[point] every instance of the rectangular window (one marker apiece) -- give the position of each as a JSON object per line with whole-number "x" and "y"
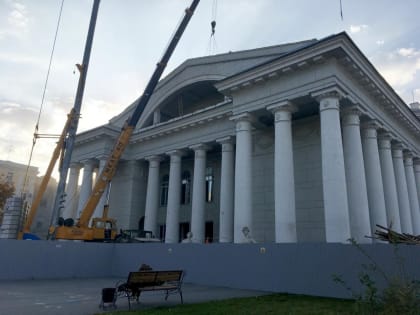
{"x": 164, "y": 190}
{"x": 209, "y": 184}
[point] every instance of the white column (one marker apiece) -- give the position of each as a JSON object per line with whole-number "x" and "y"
{"x": 402, "y": 192}
{"x": 355, "y": 177}
{"x": 417, "y": 175}
{"x": 174, "y": 198}
{"x": 226, "y": 190}
{"x": 152, "y": 195}
{"x": 337, "y": 222}
{"x": 70, "y": 209}
{"x": 412, "y": 193}
{"x": 390, "y": 187}
{"x": 284, "y": 179}
{"x": 374, "y": 183}
{"x": 99, "y": 210}
{"x": 86, "y": 188}
{"x": 198, "y": 223}
{"x": 243, "y": 177}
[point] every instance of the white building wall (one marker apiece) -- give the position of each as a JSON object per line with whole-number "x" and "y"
{"x": 263, "y": 185}
{"x": 308, "y": 180}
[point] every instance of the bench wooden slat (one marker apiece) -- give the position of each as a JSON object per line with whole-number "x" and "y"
{"x": 165, "y": 276}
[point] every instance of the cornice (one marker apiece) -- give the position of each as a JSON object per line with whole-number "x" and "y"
{"x": 181, "y": 123}
{"x": 347, "y": 55}
{"x": 102, "y": 132}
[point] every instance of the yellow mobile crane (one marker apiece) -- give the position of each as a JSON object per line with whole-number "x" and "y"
{"x": 65, "y": 142}
{"x": 104, "y": 228}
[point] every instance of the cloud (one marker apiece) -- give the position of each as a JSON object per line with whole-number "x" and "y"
{"x": 97, "y": 112}
{"x": 380, "y": 42}
{"x": 15, "y": 21}
{"x": 18, "y": 16}
{"x": 20, "y": 59}
{"x": 400, "y": 67}
{"x": 357, "y": 28}
{"x": 408, "y": 52}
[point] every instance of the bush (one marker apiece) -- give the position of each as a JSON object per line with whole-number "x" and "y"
{"x": 401, "y": 296}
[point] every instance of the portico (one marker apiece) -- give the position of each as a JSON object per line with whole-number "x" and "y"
{"x": 272, "y": 149}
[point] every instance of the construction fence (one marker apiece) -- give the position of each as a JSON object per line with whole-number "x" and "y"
{"x": 293, "y": 268}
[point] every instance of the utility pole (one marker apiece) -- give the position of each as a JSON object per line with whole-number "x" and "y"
{"x": 69, "y": 144}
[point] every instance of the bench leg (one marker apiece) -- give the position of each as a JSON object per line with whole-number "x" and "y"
{"x": 182, "y": 300}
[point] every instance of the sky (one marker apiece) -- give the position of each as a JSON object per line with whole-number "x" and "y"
{"x": 130, "y": 38}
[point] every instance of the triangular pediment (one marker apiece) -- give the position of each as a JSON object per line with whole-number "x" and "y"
{"x": 206, "y": 69}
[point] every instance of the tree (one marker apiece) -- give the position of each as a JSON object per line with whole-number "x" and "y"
{"x": 7, "y": 190}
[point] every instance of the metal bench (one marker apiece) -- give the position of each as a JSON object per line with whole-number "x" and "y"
{"x": 169, "y": 281}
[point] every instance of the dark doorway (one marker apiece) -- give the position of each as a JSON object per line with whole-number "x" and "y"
{"x": 184, "y": 228}
{"x": 209, "y": 232}
{"x": 141, "y": 224}
{"x": 162, "y": 232}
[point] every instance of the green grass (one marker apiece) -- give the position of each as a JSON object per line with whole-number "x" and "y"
{"x": 269, "y": 304}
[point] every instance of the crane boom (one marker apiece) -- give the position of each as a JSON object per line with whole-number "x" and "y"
{"x": 109, "y": 170}
{"x": 67, "y": 153}
{"x": 37, "y": 200}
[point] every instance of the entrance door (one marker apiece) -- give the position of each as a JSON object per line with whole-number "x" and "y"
{"x": 184, "y": 228}
{"x": 209, "y": 232}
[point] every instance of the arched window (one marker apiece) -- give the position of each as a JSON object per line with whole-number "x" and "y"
{"x": 185, "y": 188}
{"x": 209, "y": 184}
{"x": 164, "y": 185}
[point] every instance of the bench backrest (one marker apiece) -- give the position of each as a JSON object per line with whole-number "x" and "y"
{"x": 167, "y": 276}
{"x": 153, "y": 277}
{"x": 141, "y": 277}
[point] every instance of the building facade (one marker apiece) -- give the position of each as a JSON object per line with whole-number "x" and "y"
{"x": 15, "y": 174}
{"x": 302, "y": 142}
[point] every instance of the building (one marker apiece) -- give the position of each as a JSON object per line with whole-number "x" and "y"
{"x": 25, "y": 193}
{"x": 15, "y": 173}
{"x": 302, "y": 142}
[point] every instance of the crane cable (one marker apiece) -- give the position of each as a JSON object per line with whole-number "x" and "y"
{"x": 212, "y": 46}
{"x": 43, "y": 98}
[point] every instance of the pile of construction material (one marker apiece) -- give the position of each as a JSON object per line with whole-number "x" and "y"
{"x": 388, "y": 235}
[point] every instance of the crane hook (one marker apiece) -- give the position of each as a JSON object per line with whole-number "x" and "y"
{"x": 213, "y": 27}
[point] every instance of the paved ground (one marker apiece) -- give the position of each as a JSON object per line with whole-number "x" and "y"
{"x": 82, "y": 296}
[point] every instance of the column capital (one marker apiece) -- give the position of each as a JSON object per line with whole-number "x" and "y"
{"x": 244, "y": 122}
{"x": 408, "y": 157}
{"x": 416, "y": 164}
{"x": 89, "y": 162}
{"x": 371, "y": 124}
{"x": 385, "y": 135}
{"x": 101, "y": 157}
{"x": 351, "y": 116}
{"x": 226, "y": 143}
{"x": 397, "y": 150}
{"x": 176, "y": 153}
{"x": 200, "y": 146}
{"x": 286, "y": 106}
{"x": 154, "y": 158}
{"x": 352, "y": 110}
{"x": 243, "y": 117}
{"x": 330, "y": 92}
{"x": 228, "y": 140}
{"x": 282, "y": 111}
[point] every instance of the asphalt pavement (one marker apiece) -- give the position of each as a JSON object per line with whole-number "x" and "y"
{"x": 83, "y": 296}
